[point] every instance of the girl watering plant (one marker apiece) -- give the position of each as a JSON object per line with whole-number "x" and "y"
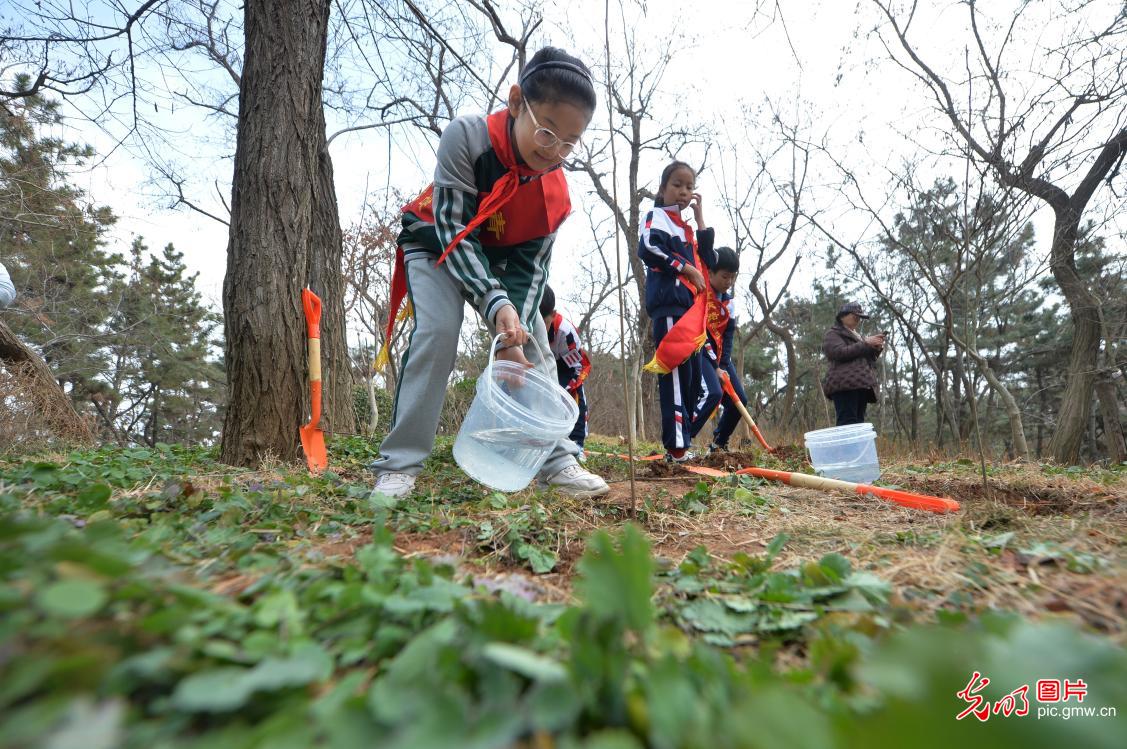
{"x": 483, "y": 233}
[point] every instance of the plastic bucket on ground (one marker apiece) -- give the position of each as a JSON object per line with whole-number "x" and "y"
{"x": 848, "y": 453}
{"x": 516, "y": 418}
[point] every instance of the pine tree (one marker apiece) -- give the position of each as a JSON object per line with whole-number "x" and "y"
{"x": 131, "y": 343}
{"x": 52, "y": 242}
{"x": 165, "y": 382}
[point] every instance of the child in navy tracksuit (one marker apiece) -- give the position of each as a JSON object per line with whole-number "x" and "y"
{"x": 572, "y": 363}
{"x": 718, "y": 355}
{"x": 673, "y": 254}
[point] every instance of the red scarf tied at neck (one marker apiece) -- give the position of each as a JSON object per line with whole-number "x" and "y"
{"x": 516, "y": 211}
{"x": 688, "y": 334}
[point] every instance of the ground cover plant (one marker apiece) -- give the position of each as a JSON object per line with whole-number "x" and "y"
{"x": 156, "y": 598}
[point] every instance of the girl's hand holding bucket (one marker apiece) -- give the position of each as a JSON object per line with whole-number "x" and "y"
{"x": 509, "y": 328}
{"x": 511, "y": 335}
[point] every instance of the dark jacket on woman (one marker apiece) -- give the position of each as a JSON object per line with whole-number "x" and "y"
{"x": 852, "y": 363}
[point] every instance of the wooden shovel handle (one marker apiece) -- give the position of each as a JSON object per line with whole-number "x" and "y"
{"x": 311, "y": 304}
{"x": 903, "y": 498}
{"x": 731, "y": 391}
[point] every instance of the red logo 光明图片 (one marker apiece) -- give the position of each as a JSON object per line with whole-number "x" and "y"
{"x": 1017, "y": 701}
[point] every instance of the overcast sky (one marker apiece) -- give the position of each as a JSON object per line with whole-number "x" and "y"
{"x": 818, "y": 63}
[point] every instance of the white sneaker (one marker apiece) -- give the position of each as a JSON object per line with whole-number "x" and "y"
{"x": 394, "y": 485}
{"x": 577, "y": 481}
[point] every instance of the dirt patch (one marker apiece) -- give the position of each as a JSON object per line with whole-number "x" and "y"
{"x": 1042, "y": 497}
{"x": 789, "y": 452}
{"x": 659, "y": 469}
{"x": 729, "y": 461}
{"x": 932, "y": 561}
{"x": 457, "y": 542}
{"x": 1098, "y": 602}
{"x": 233, "y": 585}
{"x": 340, "y": 545}
{"x": 436, "y": 544}
{"x": 792, "y": 455}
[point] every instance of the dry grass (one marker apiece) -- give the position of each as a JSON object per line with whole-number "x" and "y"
{"x": 31, "y": 419}
{"x": 933, "y": 561}
{"x": 964, "y": 561}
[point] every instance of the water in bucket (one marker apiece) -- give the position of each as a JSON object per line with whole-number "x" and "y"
{"x": 517, "y": 417}
{"x": 848, "y": 453}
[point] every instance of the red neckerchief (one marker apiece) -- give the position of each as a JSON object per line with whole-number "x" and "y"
{"x": 689, "y": 333}
{"x": 717, "y": 318}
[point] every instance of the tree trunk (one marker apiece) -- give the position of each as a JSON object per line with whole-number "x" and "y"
{"x": 634, "y": 228}
{"x": 1084, "y": 309}
{"x": 285, "y": 235}
{"x": 639, "y": 425}
{"x": 1042, "y": 397}
{"x": 787, "y": 338}
{"x": 963, "y": 395}
{"x": 915, "y": 398}
{"x": 1013, "y": 411}
{"x": 897, "y": 396}
{"x": 943, "y": 410}
{"x": 1113, "y": 427}
{"x": 45, "y": 394}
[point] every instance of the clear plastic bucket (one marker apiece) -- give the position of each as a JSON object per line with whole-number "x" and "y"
{"x": 516, "y": 418}
{"x": 848, "y": 453}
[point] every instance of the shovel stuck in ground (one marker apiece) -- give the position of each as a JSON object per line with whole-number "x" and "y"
{"x": 312, "y": 438}
{"x": 726, "y": 384}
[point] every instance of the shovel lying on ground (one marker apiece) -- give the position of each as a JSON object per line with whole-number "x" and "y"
{"x": 312, "y": 438}
{"x": 903, "y": 498}
{"x": 726, "y": 384}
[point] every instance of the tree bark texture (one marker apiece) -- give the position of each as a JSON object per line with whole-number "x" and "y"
{"x": 285, "y": 235}
{"x": 1087, "y": 326}
{"x": 1113, "y": 427}
{"x": 1084, "y": 308}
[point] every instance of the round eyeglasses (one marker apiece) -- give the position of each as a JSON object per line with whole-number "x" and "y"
{"x": 545, "y": 138}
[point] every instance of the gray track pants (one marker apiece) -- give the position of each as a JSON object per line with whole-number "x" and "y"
{"x": 425, "y": 372}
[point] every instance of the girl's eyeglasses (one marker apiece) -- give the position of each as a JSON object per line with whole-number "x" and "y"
{"x": 545, "y": 138}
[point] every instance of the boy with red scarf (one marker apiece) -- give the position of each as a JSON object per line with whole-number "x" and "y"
{"x": 721, "y": 329}
{"x": 483, "y": 233}
{"x": 572, "y": 363}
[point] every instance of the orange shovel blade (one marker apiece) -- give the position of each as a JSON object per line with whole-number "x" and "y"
{"x": 313, "y": 442}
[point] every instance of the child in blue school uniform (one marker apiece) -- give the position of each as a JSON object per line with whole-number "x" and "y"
{"x": 677, "y": 259}
{"x": 572, "y": 363}
{"x": 721, "y": 329}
